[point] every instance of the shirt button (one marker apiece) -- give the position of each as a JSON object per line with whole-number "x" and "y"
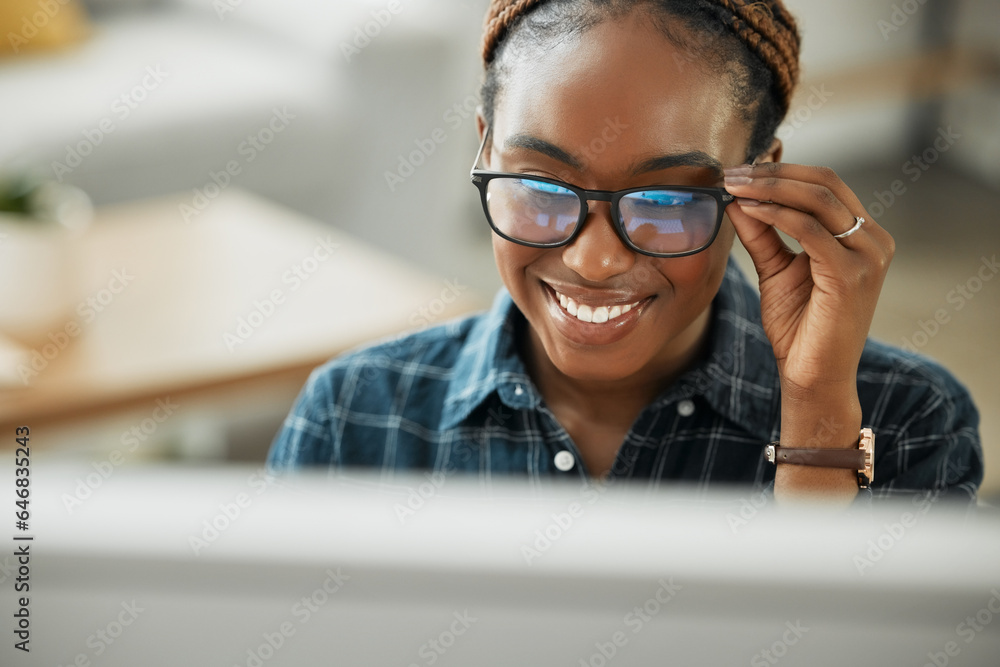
{"x": 685, "y": 408}
{"x": 518, "y": 390}
{"x": 564, "y": 460}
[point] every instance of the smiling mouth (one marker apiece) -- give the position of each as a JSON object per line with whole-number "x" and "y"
{"x": 593, "y": 314}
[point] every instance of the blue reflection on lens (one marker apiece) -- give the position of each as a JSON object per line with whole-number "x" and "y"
{"x": 542, "y": 186}
{"x": 662, "y": 197}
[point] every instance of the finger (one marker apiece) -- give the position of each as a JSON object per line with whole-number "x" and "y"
{"x": 823, "y": 176}
{"x": 815, "y": 239}
{"x": 816, "y": 200}
{"x": 770, "y": 254}
{"x": 819, "y": 176}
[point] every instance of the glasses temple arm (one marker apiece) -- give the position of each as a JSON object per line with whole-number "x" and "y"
{"x": 482, "y": 147}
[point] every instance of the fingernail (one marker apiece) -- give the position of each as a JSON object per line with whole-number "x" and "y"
{"x": 747, "y": 202}
{"x": 737, "y": 180}
{"x": 742, "y": 170}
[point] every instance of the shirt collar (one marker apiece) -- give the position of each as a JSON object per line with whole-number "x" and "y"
{"x": 738, "y": 377}
{"x": 488, "y": 362}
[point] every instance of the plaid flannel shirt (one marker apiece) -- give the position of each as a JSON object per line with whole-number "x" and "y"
{"x": 457, "y": 398}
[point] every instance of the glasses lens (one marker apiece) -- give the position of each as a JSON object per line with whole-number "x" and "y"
{"x": 669, "y": 221}
{"x": 532, "y": 211}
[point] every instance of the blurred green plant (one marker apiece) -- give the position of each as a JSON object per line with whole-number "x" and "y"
{"x": 30, "y": 198}
{"x": 16, "y": 195}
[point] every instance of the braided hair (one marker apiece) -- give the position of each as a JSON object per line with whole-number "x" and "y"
{"x": 756, "y": 43}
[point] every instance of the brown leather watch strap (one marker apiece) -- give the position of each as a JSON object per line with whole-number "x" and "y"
{"x": 861, "y": 459}
{"x": 825, "y": 458}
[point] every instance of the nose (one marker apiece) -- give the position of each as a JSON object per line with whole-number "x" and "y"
{"x": 597, "y": 254}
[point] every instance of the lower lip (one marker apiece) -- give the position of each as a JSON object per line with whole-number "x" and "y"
{"x": 588, "y": 333}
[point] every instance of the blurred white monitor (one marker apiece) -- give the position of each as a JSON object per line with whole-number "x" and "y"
{"x": 226, "y": 567}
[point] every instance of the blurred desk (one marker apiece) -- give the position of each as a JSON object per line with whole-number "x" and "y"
{"x": 245, "y": 293}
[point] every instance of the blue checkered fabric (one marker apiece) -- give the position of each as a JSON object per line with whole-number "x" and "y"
{"x": 456, "y": 398}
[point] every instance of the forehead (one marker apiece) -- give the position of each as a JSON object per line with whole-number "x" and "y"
{"x": 624, "y": 86}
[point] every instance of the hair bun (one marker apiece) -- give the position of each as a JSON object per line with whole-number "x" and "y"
{"x": 765, "y": 26}
{"x": 499, "y": 17}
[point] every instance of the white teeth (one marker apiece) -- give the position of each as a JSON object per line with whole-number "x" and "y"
{"x": 596, "y": 315}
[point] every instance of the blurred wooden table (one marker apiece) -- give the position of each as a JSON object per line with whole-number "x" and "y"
{"x": 189, "y": 293}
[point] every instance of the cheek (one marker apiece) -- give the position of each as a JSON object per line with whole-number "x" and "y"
{"x": 511, "y": 260}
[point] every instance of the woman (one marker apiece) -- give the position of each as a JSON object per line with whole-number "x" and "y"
{"x": 624, "y": 145}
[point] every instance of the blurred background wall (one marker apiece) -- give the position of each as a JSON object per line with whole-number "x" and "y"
{"x": 132, "y": 99}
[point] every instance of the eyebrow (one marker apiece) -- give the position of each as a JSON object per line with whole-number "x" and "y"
{"x": 689, "y": 159}
{"x": 668, "y": 161}
{"x": 541, "y": 146}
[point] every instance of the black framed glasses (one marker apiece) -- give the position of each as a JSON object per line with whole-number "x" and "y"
{"x": 660, "y": 221}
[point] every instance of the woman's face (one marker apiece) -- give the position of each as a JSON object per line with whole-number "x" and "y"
{"x": 618, "y": 107}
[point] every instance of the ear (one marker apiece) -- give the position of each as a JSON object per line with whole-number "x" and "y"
{"x": 480, "y": 122}
{"x": 773, "y": 152}
{"x": 480, "y": 131}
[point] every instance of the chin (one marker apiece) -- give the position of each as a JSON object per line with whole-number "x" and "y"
{"x": 595, "y": 366}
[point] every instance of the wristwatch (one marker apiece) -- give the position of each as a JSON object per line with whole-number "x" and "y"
{"x": 861, "y": 459}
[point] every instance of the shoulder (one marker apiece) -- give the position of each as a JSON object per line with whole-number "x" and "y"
{"x": 380, "y": 392}
{"x": 911, "y": 380}
{"x": 422, "y": 356}
{"x": 925, "y": 421}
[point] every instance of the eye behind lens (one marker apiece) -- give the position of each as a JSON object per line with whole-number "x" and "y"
{"x": 668, "y": 221}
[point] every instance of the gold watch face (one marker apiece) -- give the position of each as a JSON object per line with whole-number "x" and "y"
{"x": 866, "y": 443}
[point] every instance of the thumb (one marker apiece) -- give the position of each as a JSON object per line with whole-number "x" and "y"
{"x": 770, "y": 254}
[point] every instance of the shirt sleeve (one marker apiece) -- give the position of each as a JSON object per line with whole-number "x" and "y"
{"x": 930, "y": 441}
{"x": 307, "y": 436}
